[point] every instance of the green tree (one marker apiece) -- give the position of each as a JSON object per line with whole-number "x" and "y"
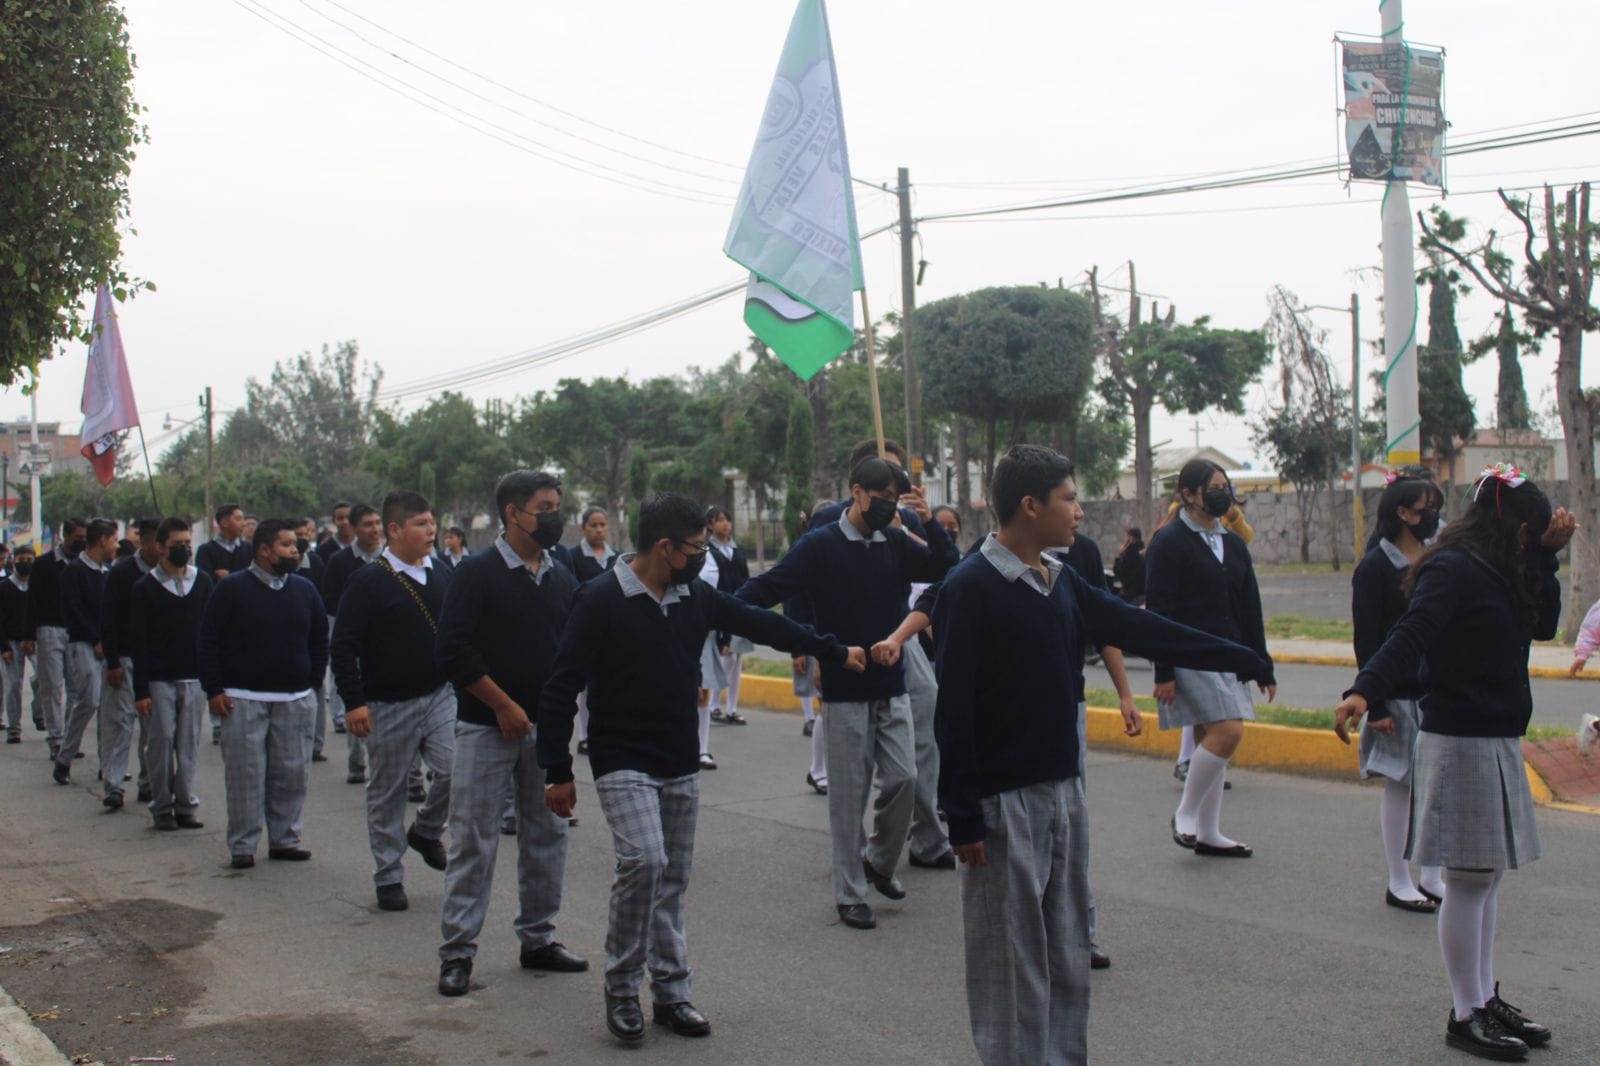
{"x": 448, "y": 440}
{"x": 1508, "y": 343}
{"x": 69, "y": 125}
{"x": 798, "y": 460}
{"x": 320, "y": 410}
{"x": 638, "y": 489}
{"x": 1442, "y": 400}
{"x": 589, "y": 429}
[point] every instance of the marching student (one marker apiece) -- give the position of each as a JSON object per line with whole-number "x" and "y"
{"x": 83, "y": 583}
{"x": 1480, "y": 595}
{"x": 733, "y": 570}
{"x": 1128, "y": 567}
{"x": 913, "y": 509}
{"x": 858, "y": 574}
{"x": 118, "y": 719}
{"x": 502, "y": 618}
{"x": 49, "y": 643}
{"x": 312, "y": 569}
{"x": 262, "y": 649}
{"x": 454, "y": 550}
{"x": 343, "y": 535}
{"x": 16, "y": 634}
{"x": 1199, "y": 573}
{"x": 166, "y": 607}
{"x": 230, "y": 550}
{"x": 643, "y": 746}
{"x": 366, "y": 545}
{"x": 395, "y": 695}
{"x": 1009, "y": 629}
{"x": 592, "y": 557}
{"x": 1408, "y": 516}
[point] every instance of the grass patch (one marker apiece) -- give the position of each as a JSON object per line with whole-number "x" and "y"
{"x": 767, "y": 667}
{"x": 1538, "y": 733}
{"x": 1275, "y": 714}
{"x": 1293, "y": 626}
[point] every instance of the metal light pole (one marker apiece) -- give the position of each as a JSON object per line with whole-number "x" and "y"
{"x": 33, "y": 474}
{"x": 1399, "y": 290}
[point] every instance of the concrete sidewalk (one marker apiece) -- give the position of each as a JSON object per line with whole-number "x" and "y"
{"x": 1549, "y": 661}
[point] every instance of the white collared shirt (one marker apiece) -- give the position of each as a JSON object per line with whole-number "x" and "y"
{"x": 180, "y": 585}
{"x": 1212, "y": 536}
{"x": 852, "y": 533}
{"x": 517, "y": 562}
{"x": 1011, "y": 567}
{"x": 417, "y": 572}
{"x": 272, "y": 581}
{"x": 632, "y": 586}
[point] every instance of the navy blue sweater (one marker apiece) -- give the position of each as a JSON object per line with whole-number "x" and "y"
{"x": 15, "y": 621}
{"x": 165, "y": 639}
{"x": 857, "y": 591}
{"x": 269, "y": 640}
{"x": 382, "y": 642}
{"x": 44, "y": 589}
{"x": 212, "y": 556}
{"x": 829, "y": 515}
{"x": 116, "y": 635}
{"x": 83, "y": 586}
{"x": 1461, "y": 628}
{"x": 344, "y": 563}
{"x": 1185, "y": 582}
{"x": 1377, "y": 601}
{"x": 1010, "y": 667}
{"x": 642, "y": 669}
{"x": 497, "y": 623}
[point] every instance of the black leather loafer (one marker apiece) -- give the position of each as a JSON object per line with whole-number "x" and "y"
{"x": 166, "y": 823}
{"x": 1415, "y": 906}
{"x": 61, "y": 775}
{"x": 947, "y": 861}
{"x": 188, "y": 821}
{"x": 555, "y": 958}
{"x": 356, "y": 777}
{"x": 144, "y": 794}
{"x": 112, "y": 802}
{"x": 1431, "y": 895}
{"x": 243, "y": 862}
{"x": 624, "y": 1018}
{"x": 289, "y": 854}
{"x": 455, "y": 977}
{"x": 1485, "y": 1037}
{"x": 1183, "y": 840}
{"x": 819, "y": 788}
{"x": 1236, "y": 851}
{"x": 886, "y": 885}
{"x": 857, "y": 916}
{"x": 681, "y": 1018}
{"x": 1529, "y": 1032}
{"x": 432, "y": 851}
{"x": 1098, "y": 960}
{"x": 392, "y": 898}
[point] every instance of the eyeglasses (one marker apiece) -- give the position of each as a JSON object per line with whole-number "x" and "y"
{"x": 690, "y": 548}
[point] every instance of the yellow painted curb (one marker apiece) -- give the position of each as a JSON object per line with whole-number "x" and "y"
{"x": 768, "y": 693}
{"x": 1537, "y": 785}
{"x": 1547, "y": 673}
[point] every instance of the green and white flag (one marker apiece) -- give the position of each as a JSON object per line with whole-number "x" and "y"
{"x": 794, "y": 225}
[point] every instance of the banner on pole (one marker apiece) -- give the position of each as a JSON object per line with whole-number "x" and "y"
{"x": 794, "y": 224}
{"x": 1394, "y": 112}
{"x": 108, "y": 405}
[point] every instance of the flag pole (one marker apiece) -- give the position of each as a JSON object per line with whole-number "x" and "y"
{"x": 872, "y": 374}
{"x": 150, "y": 477}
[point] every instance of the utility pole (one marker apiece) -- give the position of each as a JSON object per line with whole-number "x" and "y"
{"x": 908, "y": 304}
{"x": 1358, "y": 518}
{"x": 205, "y": 402}
{"x": 1399, "y": 296}
{"x": 33, "y": 472}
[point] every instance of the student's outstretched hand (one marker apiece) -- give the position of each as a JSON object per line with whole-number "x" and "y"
{"x": 1562, "y": 526}
{"x": 1132, "y": 720}
{"x": 562, "y": 798}
{"x": 886, "y": 652}
{"x": 971, "y": 854}
{"x": 1572, "y": 671}
{"x": 1166, "y": 692}
{"x": 1269, "y": 691}
{"x": 856, "y": 660}
{"x": 1348, "y": 715}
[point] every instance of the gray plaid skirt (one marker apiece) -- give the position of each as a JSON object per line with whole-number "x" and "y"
{"x": 1470, "y": 804}
{"x": 1206, "y": 696}
{"x": 1388, "y": 756}
{"x": 803, "y": 685}
{"x": 711, "y": 665}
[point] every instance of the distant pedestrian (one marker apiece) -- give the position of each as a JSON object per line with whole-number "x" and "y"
{"x": 121, "y": 728}
{"x": 49, "y": 645}
{"x": 18, "y": 637}
{"x": 229, "y": 551}
{"x": 366, "y": 526}
{"x": 83, "y": 584}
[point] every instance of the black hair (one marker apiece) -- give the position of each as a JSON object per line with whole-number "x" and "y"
{"x": 868, "y": 449}
{"x": 714, "y": 512}
{"x": 24, "y": 547}
{"x": 589, "y": 512}
{"x": 401, "y": 505}
{"x": 945, "y": 508}
{"x": 1195, "y": 475}
{"x": 519, "y": 486}
{"x": 225, "y": 510}
{"x": 72, "y": 525}
{"x": 168, "y": 527}
{"x": 1405, "y": 491}
{"x": 146, "y": 527}
{"x": 267, "y": 531}
{"x": 902, "y": 481}
{"x": 99, "y": 529}
{"x": 458, "y": 531}
{"x": 125, "y": 548}
{"x": 358, "y": 512}
{"x": 1136, "y": 534}
{"x": 670, "y": 516}
{"x": 873, "y": 474}
{"x": 1491, "y": 532}
{"x": 1026, "y": 470}
{"x": 337, "y": 505}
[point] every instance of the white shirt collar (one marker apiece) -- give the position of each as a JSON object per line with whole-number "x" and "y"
{"x": 17, "y": 581}
{"x": 83, "y": 557}
{"x": 516, "y": 562}
{"x": 852, "y": 533}
{"x": 1012, "y": 568}
{"x": 417, "y": 572}
{"x": 632, "y": 586}
{"x": 181, "y": 585}
{"x": 1396, "y": 556}
{"x": 366, "y": 557}
{"x": 231, "y": 545}
{"x": 272, "y": 581}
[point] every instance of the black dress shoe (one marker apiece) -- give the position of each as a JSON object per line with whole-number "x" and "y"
{"x": 1183, "y": 840}
{"x": 112, "y": 802}
{"x": 1436, "y": 897}
{"x": 166, "y": 823}
{"x": 392, "y": 898}
{"x": 432, "y": 851}
{"x": 317, "y": 756}
{"x": 886, "y": 885}
{"x": 356, "y": 777}
{"x": 820, "y": 789}
{"x": 13, "y": 740}
{"x": 144, "y": 794}
{"x": 681, "y": 1018}
{"x": 1485, "y": 1037}
{"x": 417, "y": 794}
{"x": 1098, "y": 960}
{"x": 857, "y": 916}
{"x": 556, "y": 958}
{"x": 1415, "y": 906}
{"x": 809, "y": 728}
{"x": 338, "y": 727}
{"x": 455, "y": 977}
{"x": 1529, "y": 1032}
{"x": 61, "y": 774}
{"x": 188, "y": 821}
{"x": 583, "y": 747}
{"x": 731, "y": 718}
{"x": 243, "y": 862}
{"x": 288, "y": 854}
{"x": 947, "y": 861}
{"x": 1233, "y": 851}
{"x": 624, "y": 1018}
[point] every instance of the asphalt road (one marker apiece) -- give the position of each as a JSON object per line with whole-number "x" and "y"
{"x": 136, "y": 943}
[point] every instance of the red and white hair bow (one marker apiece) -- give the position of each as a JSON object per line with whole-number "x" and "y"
{"x": 1505, "y": 474}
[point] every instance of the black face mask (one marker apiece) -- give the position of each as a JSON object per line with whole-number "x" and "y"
{"x": 76, "y": 546}
{"x": 302, "y": 544}
{"x": 1217, "y": 502}
{"x": 24, "y": 569}
{"x": 178, "y": 554}
{"x": 547, "y": 529}
{"x": 285, "y": 567}
{"x": 690, "y": 570}
{"x": 879, "y": 513}
{"x": 1427, "y": 525}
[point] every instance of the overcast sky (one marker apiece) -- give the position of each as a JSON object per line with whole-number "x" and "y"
{"x": 285, "y": 201}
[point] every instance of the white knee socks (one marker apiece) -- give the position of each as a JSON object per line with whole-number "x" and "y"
{"x": 1186, "y": 745}
{"x": 705, "y": 729}
{"x": 807, "y": 707}
{"x": 819, "y": 750}
{"x": 1466, "y": 935}
{"x": 1200, "y": 812}
{"x": 1394, "y": 815}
